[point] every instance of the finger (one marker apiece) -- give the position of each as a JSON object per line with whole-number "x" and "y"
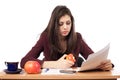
{"x": 67, "y": 64}
{"x": 63, "y": 57}
{"x": 106, "y": 67}
{"x": 70, "y": 62}
{"x": 109, "y": 67}
{"x": 106, "y": 61}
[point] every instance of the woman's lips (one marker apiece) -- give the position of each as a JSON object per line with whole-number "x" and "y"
{"x": 65, "y": 32}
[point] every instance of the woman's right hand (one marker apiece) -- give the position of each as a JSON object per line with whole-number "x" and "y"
{"x": 63, "y": 63}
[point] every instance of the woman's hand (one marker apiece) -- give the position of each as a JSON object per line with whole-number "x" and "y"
{"x": 63, "y": 63}
{"x": 106, "y": 65}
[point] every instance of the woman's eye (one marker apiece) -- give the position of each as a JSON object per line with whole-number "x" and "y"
{"x": 61, "y": 23}
{"x": 68, "y": 22}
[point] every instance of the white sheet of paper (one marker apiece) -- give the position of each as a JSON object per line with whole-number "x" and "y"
{"x": 54, "y": 71}
{"x": 95, "y": 59}
{"x": 50, "y": 71}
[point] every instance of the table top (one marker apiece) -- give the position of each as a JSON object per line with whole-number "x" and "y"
{"x": 113, "y": 74}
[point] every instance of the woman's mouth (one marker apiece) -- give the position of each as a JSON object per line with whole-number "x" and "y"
{"x": 65, "y": 32}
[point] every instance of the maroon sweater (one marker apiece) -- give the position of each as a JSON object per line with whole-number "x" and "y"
{"x": 43, "y": 45}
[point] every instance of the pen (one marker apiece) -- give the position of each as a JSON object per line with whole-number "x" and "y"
{"x": 47, "y": 69}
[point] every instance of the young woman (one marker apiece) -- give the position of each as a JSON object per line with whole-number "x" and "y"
{"x": 60, "y": 39}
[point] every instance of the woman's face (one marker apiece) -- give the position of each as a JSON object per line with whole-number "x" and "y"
{"x": 65, "y": 25}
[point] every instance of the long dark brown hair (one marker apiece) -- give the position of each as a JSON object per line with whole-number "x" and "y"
{"x": 53, "y": 32}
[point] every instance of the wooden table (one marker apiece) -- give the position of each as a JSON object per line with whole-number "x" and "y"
{"x": 92, "y": 75}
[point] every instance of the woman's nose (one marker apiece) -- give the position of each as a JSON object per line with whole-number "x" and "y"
{"x": 65, "y": 26}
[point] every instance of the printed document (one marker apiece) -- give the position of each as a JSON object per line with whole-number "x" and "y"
{"x": 95, "y": 59}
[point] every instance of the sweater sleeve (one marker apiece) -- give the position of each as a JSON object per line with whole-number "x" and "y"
{"x": 85, "y": 50}
{"x": 34, "y": 53}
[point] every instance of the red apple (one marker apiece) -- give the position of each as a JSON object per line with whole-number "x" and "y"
{"x": 32, "y": 67}
{"x": 70, "y": 57}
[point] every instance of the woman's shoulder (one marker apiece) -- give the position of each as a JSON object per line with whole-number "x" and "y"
{"x": 78, "y": 35}
{"x": 43, "y": 35}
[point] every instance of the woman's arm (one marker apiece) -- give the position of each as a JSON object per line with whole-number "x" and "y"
{"x": 61, "y": 63}
{"x": 34, "y": 53}
{"x": 84, "y": 50}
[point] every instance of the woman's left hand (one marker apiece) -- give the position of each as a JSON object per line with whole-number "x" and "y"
{"x": 106, "y": 65}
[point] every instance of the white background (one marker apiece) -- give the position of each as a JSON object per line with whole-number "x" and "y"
{"x": 22, "y": 21}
